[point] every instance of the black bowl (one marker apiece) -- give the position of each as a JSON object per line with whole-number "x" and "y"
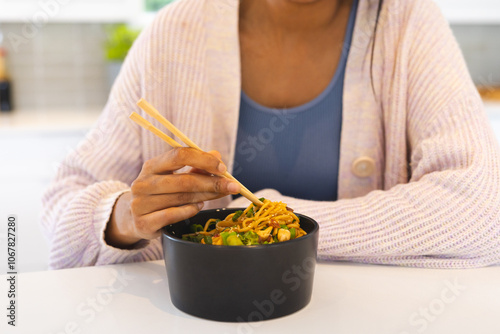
{"x": 239, "y": 283}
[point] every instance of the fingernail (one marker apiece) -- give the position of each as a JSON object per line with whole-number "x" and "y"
{"x": 222, "y": 168}
{"x": 200, "y": 205}
{"x": 233, "y": 187}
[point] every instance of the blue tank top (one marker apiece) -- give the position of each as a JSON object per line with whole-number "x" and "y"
{"x": 295, "y": 150}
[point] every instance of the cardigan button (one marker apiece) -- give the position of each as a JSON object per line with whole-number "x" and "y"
{"x": 363, "y": 167}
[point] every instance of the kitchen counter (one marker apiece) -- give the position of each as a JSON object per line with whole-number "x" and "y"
{"x": 30, "y": 121}
{"x": 347, "y": 298}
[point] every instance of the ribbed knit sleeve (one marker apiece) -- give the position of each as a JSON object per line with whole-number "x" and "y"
{"x": 79, "y": 202}
{"x": 448, "y": 213}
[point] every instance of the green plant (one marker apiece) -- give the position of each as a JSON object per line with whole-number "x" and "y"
{"x": 119, "y": 41}
{"x": 154, "y": 5}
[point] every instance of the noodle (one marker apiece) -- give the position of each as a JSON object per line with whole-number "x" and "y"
{"x": 270, "y": 223}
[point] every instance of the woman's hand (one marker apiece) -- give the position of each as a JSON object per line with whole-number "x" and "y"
{"x": 158, "y": 197}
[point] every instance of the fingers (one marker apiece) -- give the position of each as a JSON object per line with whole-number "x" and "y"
{"x": 146, "y": 204}
{"x": 150, "y": 225}
{"x": 178, "y": 158}
{"x": 160, "y": 197}
{"x": 182, "y": 183}
{"x": 199, "y": 171}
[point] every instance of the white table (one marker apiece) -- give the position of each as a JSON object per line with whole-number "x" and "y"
{"x": 347, "y": 298}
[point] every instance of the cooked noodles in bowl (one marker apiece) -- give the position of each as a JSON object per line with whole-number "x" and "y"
{"x": 272, "y": 222}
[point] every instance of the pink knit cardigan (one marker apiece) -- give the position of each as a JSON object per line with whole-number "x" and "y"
{"x": 433, "y": 199}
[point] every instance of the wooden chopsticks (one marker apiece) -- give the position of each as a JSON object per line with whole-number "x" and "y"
{"x": 151, "y": 111}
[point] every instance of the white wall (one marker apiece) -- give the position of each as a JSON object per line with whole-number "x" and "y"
{"x": 42, "y": 11}
{"x": 471, "y": 12}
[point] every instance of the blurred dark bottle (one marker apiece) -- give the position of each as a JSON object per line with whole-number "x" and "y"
{"x": 5, "y": 86}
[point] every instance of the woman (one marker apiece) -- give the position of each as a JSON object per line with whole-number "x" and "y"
{"x": 402, "y": 169}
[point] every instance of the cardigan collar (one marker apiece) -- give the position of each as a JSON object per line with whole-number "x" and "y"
{"x": 224, "y": 71}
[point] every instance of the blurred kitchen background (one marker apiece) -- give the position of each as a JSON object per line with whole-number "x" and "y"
{"x": 62, "y": 57}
